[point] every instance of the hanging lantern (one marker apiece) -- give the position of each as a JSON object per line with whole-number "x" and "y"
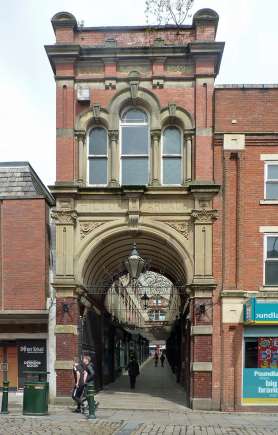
{"x": 145, "y": 298}
{"x": 134, "y": 264}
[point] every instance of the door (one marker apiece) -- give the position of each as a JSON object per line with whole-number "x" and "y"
{"x": 12, "y": 366}
{"x": 9, "y": 362}
{"x": 1, "y": 365}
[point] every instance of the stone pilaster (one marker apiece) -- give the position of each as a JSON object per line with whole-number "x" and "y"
{"x": 187, "y": 161}
{"x": 65, "y": 221}
{"x": 80, "y": 137}
{"x": 114, "y": 170}
{"x": 155, "y": 158}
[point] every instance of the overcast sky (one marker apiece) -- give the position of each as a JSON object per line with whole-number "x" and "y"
{"x": 27, "y": 88}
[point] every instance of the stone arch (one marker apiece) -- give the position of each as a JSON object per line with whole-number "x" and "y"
{"x": 110, "y": 244}
{"x": 87, "y": 119}
{"x": 180, "y": 117}
{"x": 145, "y": 99}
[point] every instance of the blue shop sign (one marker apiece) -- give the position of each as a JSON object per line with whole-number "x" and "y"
{"x": 260, "y": 386}
{"x": 260, "y": 312}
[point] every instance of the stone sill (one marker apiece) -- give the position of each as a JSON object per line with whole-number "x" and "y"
{"x": 269, "y": 201}
{"x": 269, "y": 289}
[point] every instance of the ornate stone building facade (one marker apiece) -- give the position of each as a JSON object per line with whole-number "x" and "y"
{"x": 145, "y": 146}
{"x": 134, "y": 162}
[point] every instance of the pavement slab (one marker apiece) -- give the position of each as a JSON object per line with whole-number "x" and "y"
{"x": 156, "y": 407}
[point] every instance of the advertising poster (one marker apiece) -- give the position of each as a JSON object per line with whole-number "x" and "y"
{"x": 274, "y": 353}
{"x": 264, "y": 352}
{"x": 31, "y": 357}
{"x": 260, "y": 387}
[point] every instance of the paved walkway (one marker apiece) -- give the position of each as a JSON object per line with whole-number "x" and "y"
{"x": 156, "y": 407}
{"x": 156, "y": 390}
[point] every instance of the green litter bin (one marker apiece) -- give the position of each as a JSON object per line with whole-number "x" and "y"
{"x": 35, "y": 394}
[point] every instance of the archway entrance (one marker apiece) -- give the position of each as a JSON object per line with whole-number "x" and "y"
{"x": 139, "y": 317}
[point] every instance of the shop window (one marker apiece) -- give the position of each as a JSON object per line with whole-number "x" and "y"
{"x": 172, "y": 156}
{"x": 271, "y": 260}
{"x": 260, "y": 374}
{"x": 271, "y": 180}
{"x": 134, "y": 148}
{"x": 261, "y": 352}
{"x": 251, "y": 353}
{"x": 97, "y": 157}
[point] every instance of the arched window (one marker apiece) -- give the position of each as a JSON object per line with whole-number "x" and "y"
{"x": 97, "y": 156}
{"x": 172, "y": 156}
{"x": 134, "y": 148}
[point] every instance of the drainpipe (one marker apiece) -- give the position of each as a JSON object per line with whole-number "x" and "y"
{"x": 51, "y": 305}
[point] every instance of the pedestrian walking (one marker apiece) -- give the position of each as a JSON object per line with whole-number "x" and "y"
{"x": 162, "y": 359}
{"x": 78, "y": 389}
{"x": 155, "y": 359}
{"x": 89, "y": 373}
{"x": 133, "y": 371}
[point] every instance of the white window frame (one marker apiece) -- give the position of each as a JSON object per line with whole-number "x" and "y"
{"x": 269, "y": 163}
{"x": 266, "y": 235}
{"x": 100, "y": 156}
{"x": 124, "y": 124}
{"x": 181, "y": 155}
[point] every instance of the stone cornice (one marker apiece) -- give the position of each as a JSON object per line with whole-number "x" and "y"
{"x": 73, "y": 51}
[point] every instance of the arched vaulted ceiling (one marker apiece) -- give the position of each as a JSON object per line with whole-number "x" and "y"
{"x": 107, "y": 259}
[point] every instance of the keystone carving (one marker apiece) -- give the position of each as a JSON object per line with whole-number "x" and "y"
{"x": 87, "y": 227}
{"x": 134, "y": 86}
{"x": 110, "y": 84}
{"x": 204, "y": 216}
{"x": 96, "y": 111}
{"x": 64, "y": 217}
{"x": 181, "y": 227}
{"x": 158, "y": 83}
{"x": 172, "y": 109}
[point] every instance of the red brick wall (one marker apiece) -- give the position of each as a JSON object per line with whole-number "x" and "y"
{"x": 202, "y": 348}
{"x": 201, "y": 385}
{"x": 64, "y": 382}
{"x": 66, "y": 343}
{"x": 24, "y": 254}
{"x": 256, "y": 110}
{"x": 237, "y": 242}
{"x": 134, "y": 38}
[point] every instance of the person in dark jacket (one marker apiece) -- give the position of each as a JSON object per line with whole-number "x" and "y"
{"x": 155, "y": 359}
{"x": 162, "y": 359}
{"x": 133, "y": 371}
{"x": 89, "y": 373}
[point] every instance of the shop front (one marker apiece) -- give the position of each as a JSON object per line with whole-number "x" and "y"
{"x": 260, "y": 370}
{"x": 20, "y": 356}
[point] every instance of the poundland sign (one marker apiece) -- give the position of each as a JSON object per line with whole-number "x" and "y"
{"x": 261, "y": 312}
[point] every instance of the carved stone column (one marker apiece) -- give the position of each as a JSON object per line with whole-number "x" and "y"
{"x": 187, "y": 166}
{"x": 155, "y": 158}
{"x": 114, "y": 158}
{"x": 203, "y": 220}
{"x": 80, "y": 138}
{"x": 65, "y": 220}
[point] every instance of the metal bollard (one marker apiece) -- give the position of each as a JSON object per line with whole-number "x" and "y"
{"x": 5, "y": 398}
{"x": 91, "y": 401}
